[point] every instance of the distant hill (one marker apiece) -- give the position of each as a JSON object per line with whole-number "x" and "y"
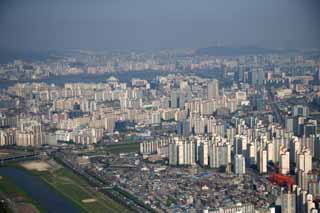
{"x": 235, "y": 51}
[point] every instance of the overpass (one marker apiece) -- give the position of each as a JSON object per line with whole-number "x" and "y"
{"x": 29, "y": 156}
{"x": 128, "y": 166}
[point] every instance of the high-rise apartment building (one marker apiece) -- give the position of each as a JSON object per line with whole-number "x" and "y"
{"x": 262, "y": 161}
{"x": 239, "y": 165}
{"x": 213, "y": 89}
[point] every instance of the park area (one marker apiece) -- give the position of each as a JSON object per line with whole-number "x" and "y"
{"x": 119, "y": 148}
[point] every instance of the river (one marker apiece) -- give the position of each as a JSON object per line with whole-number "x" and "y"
{"x": 122, "y": 76}
{"x": 50, "y": 200}
{"x": 90, "y": 78}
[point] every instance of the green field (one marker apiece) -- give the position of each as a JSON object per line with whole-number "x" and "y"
{"x": 17, "y": 195}
{"x": 77, "y": 189}
{"x": 121, "y": 148}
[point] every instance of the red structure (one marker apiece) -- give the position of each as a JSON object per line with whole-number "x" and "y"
{"x": 281, "y": 180}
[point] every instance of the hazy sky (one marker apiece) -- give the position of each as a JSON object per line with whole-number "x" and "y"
{"x": 149, "y": 24}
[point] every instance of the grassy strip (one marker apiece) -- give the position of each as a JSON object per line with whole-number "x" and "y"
{"x": 76, "y": 189}
{"x": 63, "y": 193}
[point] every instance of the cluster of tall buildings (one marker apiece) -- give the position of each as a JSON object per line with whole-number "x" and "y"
{"x": 253, "y": 123}
{"x": 27, "y": 133}
{"x": 212, "y": 153}
{"x": 245, "y": 143}
{"x": 81, "y": 111}
{"x": 295, "y": 201}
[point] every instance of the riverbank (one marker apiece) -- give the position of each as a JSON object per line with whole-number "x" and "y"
{"x": 77, "y": 194}
{"x": 46, "y": 198}
{"x": 15, "y": 199}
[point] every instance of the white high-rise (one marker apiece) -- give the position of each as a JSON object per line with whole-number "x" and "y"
{"x": 213, "y": 89}
{"x": 239, "y": 165}
{"x": 262, "y": 158}
{"x": 173, "y": 159}
{"x": 213, "y": 155}
{"x": 285, "y": 163}
{"x": 203, "y": 153}
{"x": 304, "y": 161}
